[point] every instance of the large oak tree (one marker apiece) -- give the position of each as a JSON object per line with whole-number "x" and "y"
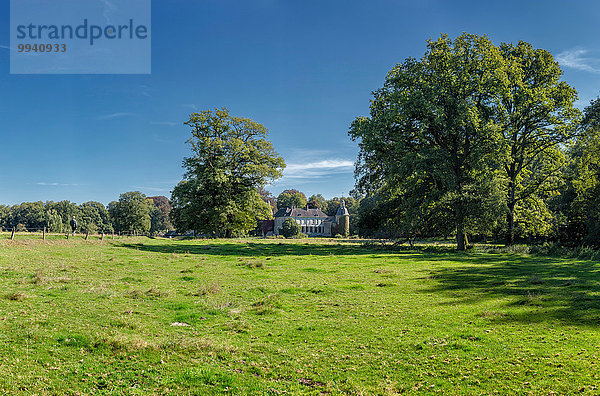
{"x": 231, "y": 160}
{"x": 431, "y": 135}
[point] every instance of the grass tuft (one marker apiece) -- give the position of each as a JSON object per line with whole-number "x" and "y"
{"x": 267, "y": 305}
{"x": 207, "y": 289}
{"x": 16, "y": 296}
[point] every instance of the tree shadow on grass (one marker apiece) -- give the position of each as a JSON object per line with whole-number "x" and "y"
{"x": 256, "y": 249}
{"x": 533, "y": 289}
{"x": 293, "y": 248}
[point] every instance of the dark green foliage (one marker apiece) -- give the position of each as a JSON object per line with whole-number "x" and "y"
{"x": 231, "y": 160}
{"x": 536, "y": 116}
{"x": 291, "y": 198}
{"x": 94, "y": 217}
{"x": 317, "y": 202}
{"x": 159, "y": 214}
{"x": 131, "y": 213}
{"x": 290, "y": 228}
{"x": 55, "y": 216}
{"x": 467, "y": 140}
{"x": 579, "y": 202}
{"x": 430, "y": 142}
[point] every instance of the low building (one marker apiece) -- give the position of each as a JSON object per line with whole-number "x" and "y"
{"x": 312, "y": 222}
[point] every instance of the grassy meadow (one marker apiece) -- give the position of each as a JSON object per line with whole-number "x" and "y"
{"x": 153, "y": 316}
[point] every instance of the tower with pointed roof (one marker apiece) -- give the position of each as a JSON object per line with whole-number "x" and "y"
{"x": 342, "y": 218}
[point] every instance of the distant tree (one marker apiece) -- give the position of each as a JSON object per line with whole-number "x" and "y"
{"x": 65, "y": 209}
{"x": 131, "y": 213}
{"x": 268, "y": 197}
{"x": 31, "y": 215}
{"x": 373, "y": 215}
{"x": 290, "y": 228}
{"x": 53, "y": 221}
{"x": 4, "y": 216}
{"x": 536, "y": 116}
{"x": 159, "y": 214}
{"x": 317, "y": 201}
{"x": 332, "y": 205}
{"x": 94, "y": 217}
{"x": 231, "y": 159}
{"x": 291, "y": 198}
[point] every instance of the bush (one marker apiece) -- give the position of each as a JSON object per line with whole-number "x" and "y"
{"x": 300, "y": 236}
{"x": 290, "y": 228}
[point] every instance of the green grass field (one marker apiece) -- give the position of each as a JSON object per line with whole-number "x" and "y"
{"x": 149, "y": 316}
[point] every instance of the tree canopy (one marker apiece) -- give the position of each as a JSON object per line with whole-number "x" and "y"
{"x": 536, "y": 116}
{"x": 131, "y": 213}
{"x": 231, "y": 160}
{"x": 466, "y": 135}
{"x": 291, "y": 198}
{"x": 431, "y": 138}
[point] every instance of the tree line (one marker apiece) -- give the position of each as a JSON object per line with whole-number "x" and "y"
{"x": 478, "y": 140}
{"x": 132, "y": 212}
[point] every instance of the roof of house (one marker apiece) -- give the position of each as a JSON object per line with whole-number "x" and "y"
{"x": 296, "y": 212}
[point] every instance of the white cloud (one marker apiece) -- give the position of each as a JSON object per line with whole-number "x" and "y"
{"x": 109, "y": 8}
{"x": 153, "y": 189}
{"x": 326, "y": 165}
{"x": 317, "y": 170}
{"x": 54, "y": 184}
{"x": 190, "y": 106}
{"x": 145, "y": 91}
{"x": 167, "y": 123}
{"x": 115, "y": 115}
{"x": 577, "y": 59}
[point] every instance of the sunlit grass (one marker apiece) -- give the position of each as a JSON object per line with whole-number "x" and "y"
{"x": 151, "y": 316}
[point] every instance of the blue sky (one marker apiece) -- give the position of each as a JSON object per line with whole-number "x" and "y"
{"x": 304, "y": 69}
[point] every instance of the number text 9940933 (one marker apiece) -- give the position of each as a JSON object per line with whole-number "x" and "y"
{"x": 42, "y": 48}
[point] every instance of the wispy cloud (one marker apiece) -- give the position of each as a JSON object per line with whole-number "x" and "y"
{"x": 165, "y": 139}
{"x": 190, "y": 106}
{"x": 115, "y": 115}
{"x": 54, "y": 184}
{"x": 167, "y": 123}
{"x": 145, "y": 91}
{"x": 109, "y": 8}
{"x": 153, "y": 189}
{"x": 318, "y": 169}
{"x": 579, "y": 59}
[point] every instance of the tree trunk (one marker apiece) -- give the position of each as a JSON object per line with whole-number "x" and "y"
{"x": 461, "y": 237}
{"x": 461, "y": 244}
{"x": 510, "y": 217}
{"x": 228, "y": 233}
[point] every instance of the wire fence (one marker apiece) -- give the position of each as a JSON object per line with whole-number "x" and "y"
{"x": 44, "y": 232}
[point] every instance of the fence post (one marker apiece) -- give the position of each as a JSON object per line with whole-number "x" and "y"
{"x": 44, "y": 234}
{"x": 12, "y": 237}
